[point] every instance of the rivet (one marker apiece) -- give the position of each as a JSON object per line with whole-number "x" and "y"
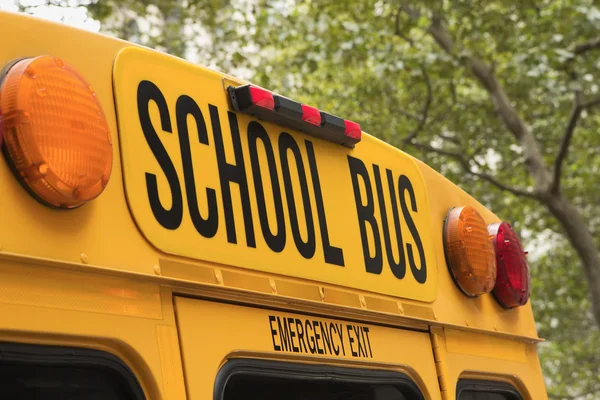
{"x": 157, "y": 270}
{"x": 84, "y": 258}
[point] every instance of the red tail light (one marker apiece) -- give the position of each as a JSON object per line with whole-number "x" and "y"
{"x": 512, "y": 281}
{"x": 262, "y": 98}
{"x": 352, "y": 129}
{"x": 311, "y": 115}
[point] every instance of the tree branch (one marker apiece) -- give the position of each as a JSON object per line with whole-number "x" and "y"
{"x": 583, "y": 48}
{"x": 564, "y": 146}
{"x": 465, "y": 164}
{"x": 408, "y": 114}
{"x": 563, "y": 150}
{"x": 398, "y": 31}
{"x": 504, "y": 108}
{"x": 578, "y": 106}
{"x": 591, "y": 103}
{"x": 426, "y": 107}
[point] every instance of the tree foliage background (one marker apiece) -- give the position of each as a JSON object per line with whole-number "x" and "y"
{"x": 501, "y": 97}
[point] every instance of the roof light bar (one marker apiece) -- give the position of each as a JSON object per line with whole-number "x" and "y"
{"x": 249, "y": 99}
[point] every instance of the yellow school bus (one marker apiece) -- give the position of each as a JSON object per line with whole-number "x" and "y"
{"x": 171, "y": 232}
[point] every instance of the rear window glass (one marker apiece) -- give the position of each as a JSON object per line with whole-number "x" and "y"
{"x": 486, "y": 390}
{"x": 254, "y": 380}
{"x": 471, "y": 395}
{"x": 31, "y": 372}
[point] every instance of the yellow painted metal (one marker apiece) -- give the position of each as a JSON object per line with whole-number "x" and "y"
{"x": 77, "y": 309}
{"x": 95, "y": 277}
{"x": 467, "y": 355}
{"x": 176, "y": 79}
{"x": 233, "y": 331}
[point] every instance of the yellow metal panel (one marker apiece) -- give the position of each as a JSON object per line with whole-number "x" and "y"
{"x": 102, "y": 230}
{"x": 46, "y": 287}
{"x": 466, "y": 355}
{"x": 461, "y": 342}
{"x": 211, "y": 333}
{"x": 155, "y": 148}
{"x": 123, "y": 336}
{"x": 172, "y": 372}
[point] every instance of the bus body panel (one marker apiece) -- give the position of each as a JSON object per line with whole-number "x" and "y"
{"x": 41, "y": 304}
{"x": 233, "y": 332}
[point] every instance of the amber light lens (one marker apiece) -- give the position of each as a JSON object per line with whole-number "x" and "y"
{"x": 55, "y": 133}
{"x": 512, "y": 284}
{"x": 469, "y": 251}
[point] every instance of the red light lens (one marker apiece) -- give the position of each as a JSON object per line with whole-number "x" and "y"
{"x": 311, "y": 115}
{"x": 352, "y": 129}
{"x": 262, "y": 98}
{"x": 512, "y": 281}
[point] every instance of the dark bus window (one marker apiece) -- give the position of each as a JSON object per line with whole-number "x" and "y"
{"x": 485, "y": 390}
{"x": 31, "y": 372}
{"x": 269, "y": 380}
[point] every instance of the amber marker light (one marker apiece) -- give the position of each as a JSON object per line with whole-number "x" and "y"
{"x": 469, "y": 251}
{"x": 56, "y": 137}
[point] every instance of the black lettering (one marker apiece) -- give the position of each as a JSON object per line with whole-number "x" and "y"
{"x": 365, "y": 214}
{"x": 300, "y": 330}
{"x": 336, "y": 349}
{"x": 351, "y": 340}
{"x": 287, "y": 142}
{"x": 340, "y": 331}
{"x": 366, "y": 331}
{"x": 333, "y": 255}
{"x": 273, "y": 333}
{"x": 232, "y": 173}
{"x": 284, "y": 334}
{"x": 404, "y": 185}
{"x": 326, "y": 338}
{"x": 398, "y": 268}
{"x": 168, "y": 218}
{"x": 312, "y": 346}
{"x": 317, "y": 337}
{"x": 275, "y": 241}
{"x": 292, "y": 333}
{"x": 357, "y": 334}
{"x": 207, "y": 227}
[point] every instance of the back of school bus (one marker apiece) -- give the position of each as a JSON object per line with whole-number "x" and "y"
{"x": 170, "y": 232}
